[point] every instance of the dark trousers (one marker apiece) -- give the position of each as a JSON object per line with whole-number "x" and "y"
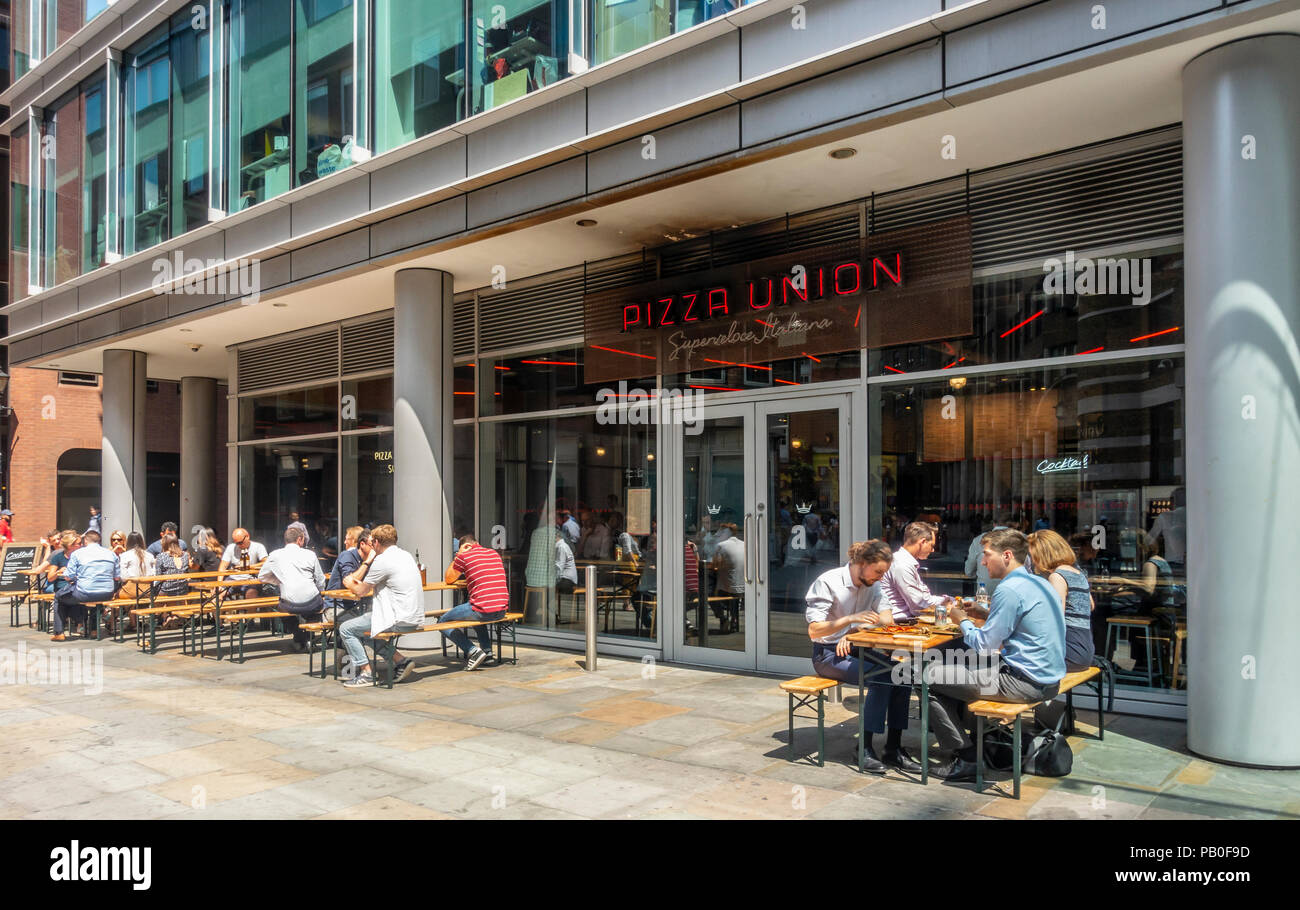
{"x": 309, "y": 611}
{"x": 885, "y": 701}
{"x": 69, "y": 606}
{"x": 955, "y": 685}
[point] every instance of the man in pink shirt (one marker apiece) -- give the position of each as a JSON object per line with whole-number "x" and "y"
{"x": 902, "y": 587}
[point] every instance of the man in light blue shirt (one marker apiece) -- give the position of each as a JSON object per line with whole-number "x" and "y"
{"x": 1025, "y": 629}
{"x": 94, "y": 574}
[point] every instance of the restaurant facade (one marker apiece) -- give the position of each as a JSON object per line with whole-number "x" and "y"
{"x": 706, "y": 298}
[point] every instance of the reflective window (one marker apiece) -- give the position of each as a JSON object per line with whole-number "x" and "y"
{"x": 19, "y": 202}
{"x": 578, "y": 492}
{"x": 463, "y": 393}
{"x": 298, "y": 413}
{"x": 63, "y": 192}
{"x": 21, "y": 24}
{"x": 419, "y": 69}
{"x": 367, "y": 403}
{"x": 259, "y": 116}
{"x": 519, "y": 46}
{"x": 93, "y": 8}
{"x": 622, "y": 26}
{"x": 324, "y": 121}
{"x": 1054, "y": 311}
{"x": 540, "y": 382}
{"x": 190, "y": 65}
{"x": 281, "y": 483}
{"x": 1093, "y": 453}
{"x": 725, "y": 376}
{"x": 146, "y": 175}
{"x": 94, "y": 241}
{"x": 367, "y": 476}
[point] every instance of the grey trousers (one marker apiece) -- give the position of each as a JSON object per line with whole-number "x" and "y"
{"x": 955, "y": 686}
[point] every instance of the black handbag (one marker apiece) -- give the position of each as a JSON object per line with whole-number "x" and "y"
{"x": 1049, "y": 755}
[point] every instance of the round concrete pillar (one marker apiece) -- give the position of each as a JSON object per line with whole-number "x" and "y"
{"x": 198, "y": 453}
{"x": 123, "y": 459}
{"x": 1241, "y": 185}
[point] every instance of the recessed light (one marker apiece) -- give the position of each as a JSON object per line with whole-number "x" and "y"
{"x": 841, "y": 154}
{"x": 281, "y": 305}
{"x": 586, "y": 222}
{"x": 187, "y": 330}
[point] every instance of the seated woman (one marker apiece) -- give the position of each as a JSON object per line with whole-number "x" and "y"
{"x": 172, "y": 561}
{"x": 1053, "y": 558}
{"x": 205, "y": 550}
{"x": 1154, "y": 594}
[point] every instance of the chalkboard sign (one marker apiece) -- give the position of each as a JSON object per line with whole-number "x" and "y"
{"x": 15, "y": 556}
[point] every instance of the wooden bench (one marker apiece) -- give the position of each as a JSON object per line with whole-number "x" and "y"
{"x": 175, "y": 603}
{"x": 325, "y": 633}
{"x": 1009, "y": 712}
{"x": 242, "y": 618}
{"x": 801, "y": 693}
{"x": 386, "y": 642}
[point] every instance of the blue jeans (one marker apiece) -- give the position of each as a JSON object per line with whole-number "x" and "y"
{"x": 883, "y": 697}
{"x": 461, "y": 613}
{"x": 358, "y": 627}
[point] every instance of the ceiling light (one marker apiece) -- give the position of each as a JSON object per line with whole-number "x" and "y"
{"x": 957, "y": 382}
{"x": 586, "y": 222}
{"x": 280, "y": 304}
{"x": 600, "y": 450}
{"x": 841, "y": 154}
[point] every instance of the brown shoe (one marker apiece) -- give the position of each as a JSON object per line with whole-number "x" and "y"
{"x": 59, "y": 637}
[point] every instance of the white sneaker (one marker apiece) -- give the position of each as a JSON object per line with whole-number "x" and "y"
{"x": 476, "y": 658}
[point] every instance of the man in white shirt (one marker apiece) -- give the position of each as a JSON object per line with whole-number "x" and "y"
{"x": 297, "y": 571}
{"x": 905, "y": 593}
{"x": 975, "y": 557}
{"x": 390, "y": 575}
{"x": 839, "y": 601}
{"x": 729, "y": 562}
{"x": 569, "y": 526}
{"x": 242, "y": 551}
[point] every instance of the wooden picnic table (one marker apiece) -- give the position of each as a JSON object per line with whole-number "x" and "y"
{"x": 875, "y": 646}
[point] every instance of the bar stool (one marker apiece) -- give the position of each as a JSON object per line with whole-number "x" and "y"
{"x": 1177, "y": 673}
{"x": 1155, "y": 667}
{"x": 535, "y": 599}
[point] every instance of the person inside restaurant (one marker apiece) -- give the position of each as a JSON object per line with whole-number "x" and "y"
{"x": 1155, "y": 593}
{"x": 975, "y": 555}
{"x": 839, "y": 601}
{"x": 729, "y": 562}
{"x": 904, "y": 591}
{"x": 1025, "y": 628}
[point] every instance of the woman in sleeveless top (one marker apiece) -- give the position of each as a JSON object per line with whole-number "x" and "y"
{"x": 1053, "y": 558}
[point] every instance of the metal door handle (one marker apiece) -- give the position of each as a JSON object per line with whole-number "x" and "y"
{"x": 748, "y": 559}
{"x": 758, "y": 541}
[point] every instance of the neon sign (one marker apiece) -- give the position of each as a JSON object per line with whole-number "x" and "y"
{"x": 1063, "y": 465}
{"x": 845, "y": 279}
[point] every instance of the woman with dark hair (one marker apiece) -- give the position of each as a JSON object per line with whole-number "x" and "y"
{"x": 172, "y": 560}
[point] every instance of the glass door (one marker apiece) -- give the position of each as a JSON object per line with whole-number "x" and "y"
{"x": 761, "y": 505}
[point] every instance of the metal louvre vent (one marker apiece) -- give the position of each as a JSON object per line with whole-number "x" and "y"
{"x": 619, "y": 273}
{"x": 545, "y": 311}
{"x": 314, "y": 356}
{"x": 368, "y": 346}
{"x": 771, "y": 238}
{"x": 892, "y": 211}
{"x": 1104, "y": 203}
{"x": 462, "y": 326}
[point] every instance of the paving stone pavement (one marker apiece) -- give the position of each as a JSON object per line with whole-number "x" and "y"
{"x": 171, "y": 736}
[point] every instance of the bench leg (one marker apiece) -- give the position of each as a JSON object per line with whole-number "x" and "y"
{"x": 979, "y": 754}
{"x": 1015, "y": 759}
{"x": 1101, "y": 708}
{"x": 821, "y": 729}
{"x": 153, "y": 633}
{"x": 925, "y": 728}
{"x": 243, "y": 624}
{"x": 790, "y": 699}
{"x": 1069, "y": 713}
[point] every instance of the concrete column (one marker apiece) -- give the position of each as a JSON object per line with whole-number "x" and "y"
{"x": 423, "y": 450}
{"x": 123, "y": 459}
{"x": 199, "y": 454}
{"x": 1241, "y": 185}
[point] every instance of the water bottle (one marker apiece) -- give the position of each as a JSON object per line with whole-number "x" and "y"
{"x": 941, "y": 613}
{"x": 982, "y": 596}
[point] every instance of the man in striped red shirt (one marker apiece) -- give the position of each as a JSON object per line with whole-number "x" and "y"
{"x": 485, "y": 579}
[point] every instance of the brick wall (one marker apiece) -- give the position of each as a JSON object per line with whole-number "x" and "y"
{"x": 40, "y": 434}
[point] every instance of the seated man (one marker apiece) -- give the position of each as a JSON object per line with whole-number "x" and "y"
{"x": 356, "y": 543}
{"x": 846, "y": 597}
{"x": 1025, "y": 626}
{"x": 168, "y": 527}
{"x": 905, "y": 593}
{"x": 389, "y": 575}
{"x": 93, "y": 574}
{"x": 485, "y": 579}
{"x": 245, "y": 553}
{"x": 297, "y": 572}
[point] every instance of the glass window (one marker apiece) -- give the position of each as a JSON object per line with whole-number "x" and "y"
{"x": 462, "y": 507}
{"x": 20, "y": 60}
{"x": 1015, "y": 318}
{"x": 190, "y": 66}
{"x": 146, "y": 173}
{"x": 367, "y": 479}
{"x": 62, "y": 19}
{"x": 77, "y": 481}
{"x": 94, "y": 181}
{"x": 324, "y": 125}
{"x": 281, "y": 483}
{"x": 19, "y": 200}
{"x": 419, "y": 69}
{"x": 63, "y": 192}
{"x": 301, "y": 412}
{"x": 1094, "y": 453}
{"x": 540, "y": 382}
{"x": 370, "y": 403}
{"x": 726, "y": 376}
{"x": 463, "y": 392}
{"x": 622, "y": 26}
{"x": 93, "y": 8}
{"x": 519, "y": 46}
{"x": 572, "y": 487}
{"x": 260, "y": 69}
